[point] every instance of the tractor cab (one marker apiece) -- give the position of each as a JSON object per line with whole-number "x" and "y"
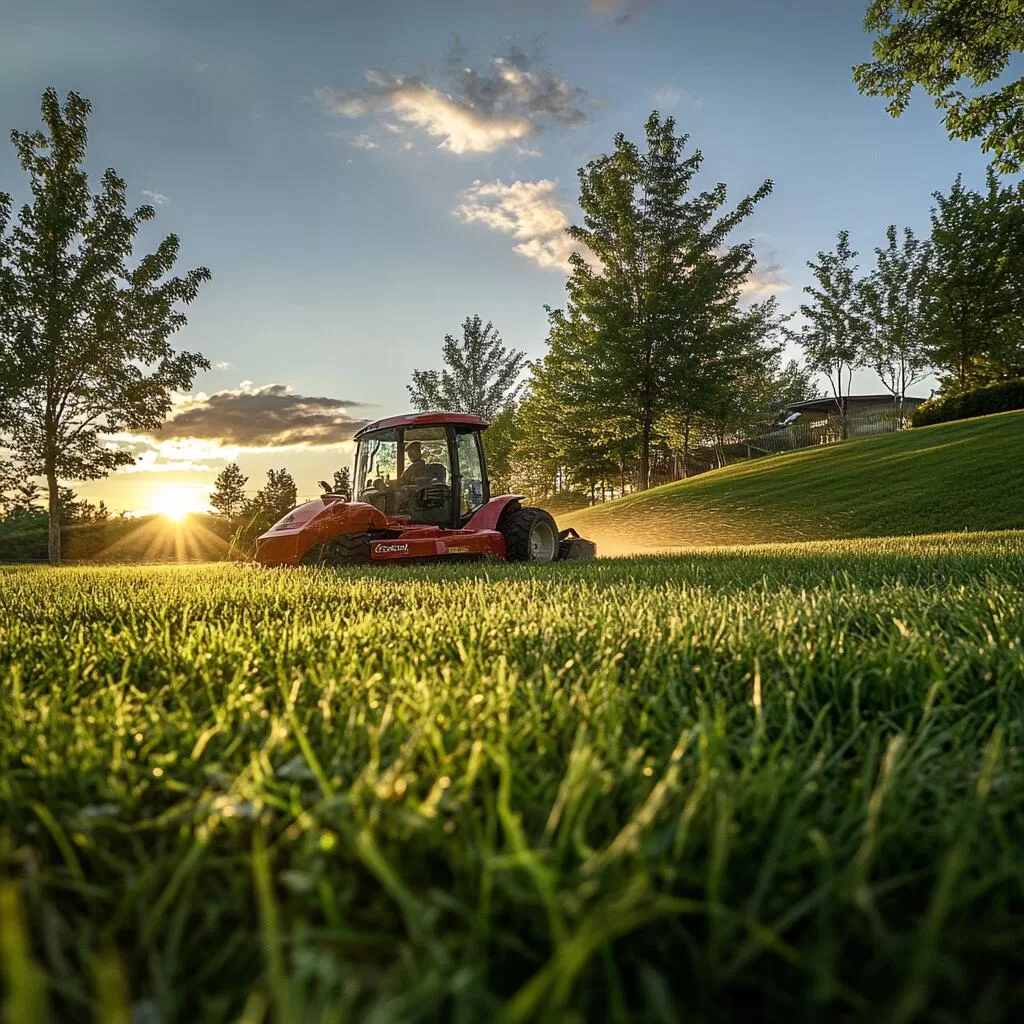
{"x": 432, "y": 473}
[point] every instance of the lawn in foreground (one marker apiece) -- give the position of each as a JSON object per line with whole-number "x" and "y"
{"x": 776, "y": 782}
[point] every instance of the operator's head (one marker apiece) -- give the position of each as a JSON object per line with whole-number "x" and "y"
{"x": 413, "y": 449}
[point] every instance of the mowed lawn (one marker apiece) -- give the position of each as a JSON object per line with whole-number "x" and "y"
{"x": 967, "y": 475}
{"x": 778, "y": 783}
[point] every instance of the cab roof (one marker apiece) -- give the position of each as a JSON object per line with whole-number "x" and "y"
{"x": 424, "y": 419}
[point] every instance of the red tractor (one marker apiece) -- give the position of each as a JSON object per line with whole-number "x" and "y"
{"x": 420, "y": 492}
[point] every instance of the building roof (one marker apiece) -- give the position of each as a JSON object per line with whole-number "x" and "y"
{"x": 424, "y": 419}
{"x": 828, "y": 404}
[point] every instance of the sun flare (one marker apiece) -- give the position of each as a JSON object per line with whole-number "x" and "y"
{"x": 174, "y": 502}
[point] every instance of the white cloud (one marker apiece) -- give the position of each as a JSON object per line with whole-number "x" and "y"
{"x": 765, "y": 282}
{"x": 364, "y": 142}
{"x": 460, "y": 128}
{"x": 480, "y": 112}
{"x": 157, "y": 198}
{"x": 529, "y": 211}
{"x": 223, "y": 366}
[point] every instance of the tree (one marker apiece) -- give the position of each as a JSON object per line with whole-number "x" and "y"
{"x": 936, "y": 44}
{"x": 228, "y": 496}
{"x": 482, "y": 376}
{"x": 833, "y": 341}
{"x": 277, "y": 498}
{"x": 23, "y": 501}
{"x": 755, "y": 388}
{"x": 8, "y": 482}
{"x": 975, "y": 285}
{"x": 342, "y": 481}
{"x": 84, "y": 335}
{"x": 651, "y": 321}
{"x": 893, "y": 301}
{"x": 500, "y": 440}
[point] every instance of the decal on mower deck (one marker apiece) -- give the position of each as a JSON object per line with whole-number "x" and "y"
{"x": 388, "y": 549}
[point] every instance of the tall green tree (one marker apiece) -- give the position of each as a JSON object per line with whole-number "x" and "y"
{"x": 976, "y": 284}
{"x": 653, "y": 316}
{"x": 894, "y": 301}
{"x": 22, "y": 501}
{"x": 275, "y": 499}
{"x": 342, "y": 481}
{"x": 228, "y": 496}
{"x": 481, "y": 376}
{"x": 85, "y": 328}
{"x": 944, "y": 46}
{"x": 833, "y": 337}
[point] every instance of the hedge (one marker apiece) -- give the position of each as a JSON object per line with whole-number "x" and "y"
{"x": 1003, "y": 397}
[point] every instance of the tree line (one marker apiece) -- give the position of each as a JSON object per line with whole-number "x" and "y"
{"x": 949, "y": 303}
{"x": 655, "y": 354}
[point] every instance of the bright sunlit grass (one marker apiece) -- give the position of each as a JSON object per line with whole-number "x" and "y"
{"x": 788, "y": 776}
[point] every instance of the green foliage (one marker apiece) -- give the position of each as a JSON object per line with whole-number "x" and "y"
{"x": 959, "y": 476}
{"x": 937, "y": 44}
{"x": 500, "y": 440}
{"x": 342, "y": 481}
{"x": 85, "y": 328}
{"x": 651, "y": 790}
{"x": 962, "y": 405}
{"x": 976, "y": 284}
{"x": 653, "y": 323}
{"x": 833, "y": 339}
{"x": 19, "y": 496}
{"x": 762, "y": 386}
{"x": 228, "y": 496}
{"x": 893, "y": 302}
{"x": 482, "y": 377}
{"x": 270, "y": 503}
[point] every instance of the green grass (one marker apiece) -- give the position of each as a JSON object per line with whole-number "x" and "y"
{"x": 782, "y": 783}
{"x": 955, "y": 476}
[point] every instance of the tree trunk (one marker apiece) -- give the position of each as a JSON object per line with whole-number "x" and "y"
{"x": 686, "y": 447}
{"x": 647, "y": 427}
{"x": 54, "y": 528}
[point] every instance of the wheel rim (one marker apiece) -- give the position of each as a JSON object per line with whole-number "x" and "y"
{"x": 543, "y": 542}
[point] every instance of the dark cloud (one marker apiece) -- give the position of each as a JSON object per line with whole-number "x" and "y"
{"x": 271, "y": 416}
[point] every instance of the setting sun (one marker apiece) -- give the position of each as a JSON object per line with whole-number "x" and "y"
{"x": 174, "y": 502}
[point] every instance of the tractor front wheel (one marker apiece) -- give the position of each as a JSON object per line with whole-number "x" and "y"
{"x": 348, "y": 549}
{"x": 530, "y": 536}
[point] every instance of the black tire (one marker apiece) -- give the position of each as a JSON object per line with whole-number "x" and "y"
{"x": 530, "y": 536}
{"x": 348, "y": 549}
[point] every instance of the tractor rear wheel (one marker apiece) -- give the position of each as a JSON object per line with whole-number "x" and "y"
{"x": 348, "y": 549}
{"x": 530, "y": 536}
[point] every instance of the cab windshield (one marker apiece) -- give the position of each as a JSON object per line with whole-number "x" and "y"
{"x": 397, "y": 467}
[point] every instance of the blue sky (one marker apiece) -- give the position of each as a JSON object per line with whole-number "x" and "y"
{"x": 340, "y": 218}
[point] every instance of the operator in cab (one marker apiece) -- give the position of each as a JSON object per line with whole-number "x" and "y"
{"x": 416, "y": 472}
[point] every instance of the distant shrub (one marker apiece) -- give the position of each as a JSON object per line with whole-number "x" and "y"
{"x": 1002, "y": 397}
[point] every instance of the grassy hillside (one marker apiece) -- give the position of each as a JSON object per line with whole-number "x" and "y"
{"x": 651, "y": 790}
{"x": 954, "y": 476}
